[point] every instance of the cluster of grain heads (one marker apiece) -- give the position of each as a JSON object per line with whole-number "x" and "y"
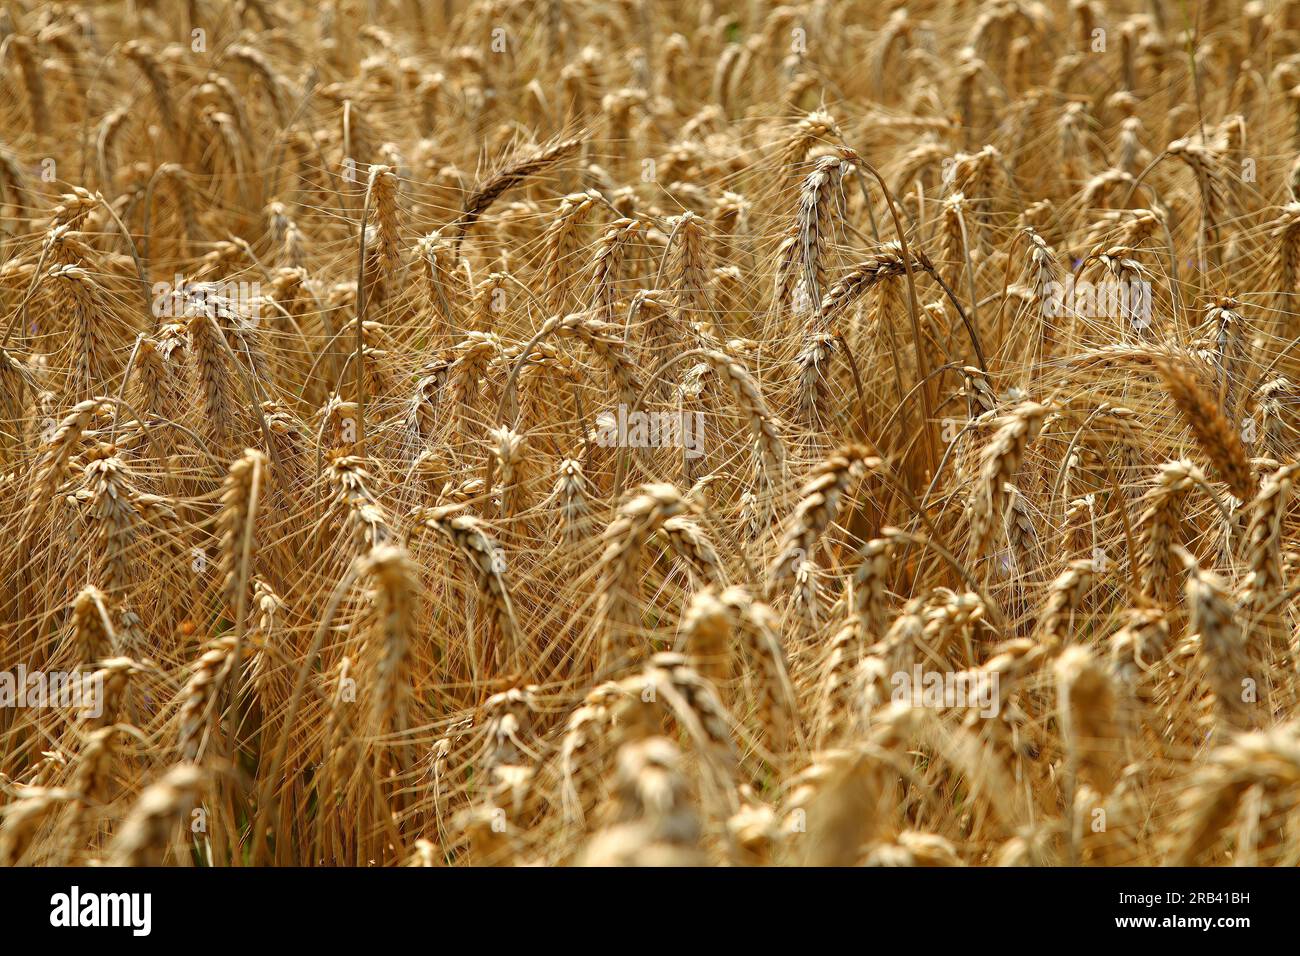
{"x": 478, "y": 550}
{"x": 707, "y": 627}
{"x": 1220, "y": 442}
{"x": 314, "y": 329}
{"x": 1248, "y": 785}
{"x": 840, "y": 802}
{"x": 754, "y": 832}
{"x": 572, "y": 493}
{"x": 818, "y": 507}
{"x": 999, "y": 460}
{"x": 818, "y": 200}
{"x": 655, "y": 822}
{"x": 201, "y": 697}
{"x": 619, "y": 566}
{"x": 833, "y": 807}
{"x": 244, "y": 490}
{"x": 1262, "y": 588}
{"x": 1217, "y": 628}
{"x": 1064, "y": 596}
{"x": 1086, "y": 703}
{"x": 153, "y": 827}
{"x": 911, "y": 848}
{"x": 1136, "y": 650}
{"x": 517, "y": 169}
{"x": 24, "y": 817}
{"x": 767, "y": 442}
{"x": 776, "y": 705}
{"x": 393, "y": 576}
{"x": 1159, "y": 527}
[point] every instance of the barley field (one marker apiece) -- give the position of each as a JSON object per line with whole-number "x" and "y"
{"x": 649, "y": 432}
